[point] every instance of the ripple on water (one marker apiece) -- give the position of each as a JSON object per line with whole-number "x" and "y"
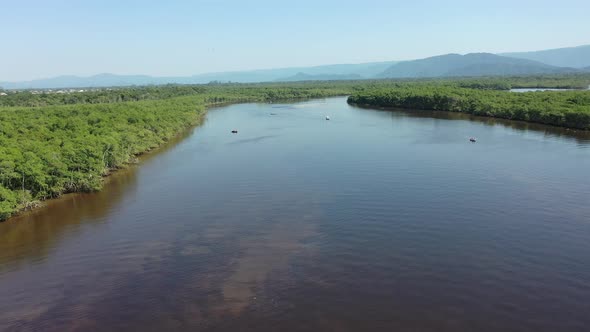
{"x": 375, "y": 220}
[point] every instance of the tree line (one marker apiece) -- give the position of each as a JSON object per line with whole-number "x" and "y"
{"x": 559, "y": 108}
{"x": 51, "y": 150}
{"x": 52, "y": 143}
{"x": 40, "y": 98}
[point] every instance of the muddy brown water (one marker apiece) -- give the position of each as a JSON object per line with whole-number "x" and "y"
{"x": 375, "y": 221}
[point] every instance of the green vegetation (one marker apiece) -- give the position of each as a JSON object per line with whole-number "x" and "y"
{"x": 569, "y": 81}
{"x": 212, "y": 91}
{"x": 54, "y": 143}
{"x": 559, "y": 108}
{"x": 51, "y": 150}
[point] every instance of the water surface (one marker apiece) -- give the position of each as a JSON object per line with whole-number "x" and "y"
{"x": 537, "y": 89}
{"x": 375, "y": 221}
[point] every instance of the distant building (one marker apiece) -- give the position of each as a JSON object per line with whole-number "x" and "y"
{"x": 3, "y": 94}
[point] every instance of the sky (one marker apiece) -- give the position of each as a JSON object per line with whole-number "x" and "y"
{"x": 44, "y": 38}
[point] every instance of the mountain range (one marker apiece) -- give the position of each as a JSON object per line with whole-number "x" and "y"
{"x": 554, "y": 61}
{"x": 576, "y": 57}
{"x": 473, "y": 64}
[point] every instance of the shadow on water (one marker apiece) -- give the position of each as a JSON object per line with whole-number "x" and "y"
{"x": 253, "y": 140}
{"x": 580, "y": 136}
{"x": 31, "y": 236}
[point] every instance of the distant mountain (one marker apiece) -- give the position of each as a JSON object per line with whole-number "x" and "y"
{"x": 555, "y": 61}
{"x": 365, "y": 70}
{"x": 327, "y": 72}
{"x": 576, "y": 57}
{"x": 320, "y": 77}
{"x": 101, "y": 80}
{"x": 473, "y": 64}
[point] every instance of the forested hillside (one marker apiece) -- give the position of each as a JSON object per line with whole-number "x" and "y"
{"x": 473, "y": 64}
{"x": 576, "y": 57}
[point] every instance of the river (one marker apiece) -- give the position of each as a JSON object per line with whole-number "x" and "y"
{"x": 372, "y": 221}
{"x": 537, "y": 89}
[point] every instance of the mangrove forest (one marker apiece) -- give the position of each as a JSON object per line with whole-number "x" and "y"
{"x": 53, "y": 143}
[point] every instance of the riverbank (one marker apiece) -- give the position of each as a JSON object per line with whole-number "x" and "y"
{"x": 52, "y": 144}
{"x": 56, "y": 150}
{"x": 53, "y": 150}
{"x": 289, "y": 210}
{"x": 569, "y": 109}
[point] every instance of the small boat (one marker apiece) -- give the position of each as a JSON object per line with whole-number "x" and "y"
{"x": 327, "y": 117}
{"x": 234, "y": 131}
{"x": 472, "y": 139}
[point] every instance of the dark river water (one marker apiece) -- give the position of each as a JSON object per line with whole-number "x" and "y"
{"x": 373, "y": 221}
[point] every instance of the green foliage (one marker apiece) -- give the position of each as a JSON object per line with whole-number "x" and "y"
{"x": 8, "y": 202}
{"x": 127, "y": 94}
{"x": 559, "y": 108}
{"x": 270, "y": 90}
{"x": 59, "y": 148}
{"x": 571, "y": 81}
{"x": 53, "y": 143}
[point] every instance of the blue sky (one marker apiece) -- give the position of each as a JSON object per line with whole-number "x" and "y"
{"x": 49, "y": 38}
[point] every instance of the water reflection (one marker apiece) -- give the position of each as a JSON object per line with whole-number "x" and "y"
{"x": 582, "y": 137}
{"x": 31, "y": 237}
{"x": 538, "y": 89}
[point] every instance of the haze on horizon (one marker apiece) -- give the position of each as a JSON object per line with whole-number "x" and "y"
{"x": 45, "y": 39}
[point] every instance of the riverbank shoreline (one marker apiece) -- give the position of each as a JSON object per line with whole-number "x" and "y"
{"x": 479, "y": 117}
{"x": 138, "y": 158}
{"x": 54, "y": 149}
{"x": 569, "y": 109}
